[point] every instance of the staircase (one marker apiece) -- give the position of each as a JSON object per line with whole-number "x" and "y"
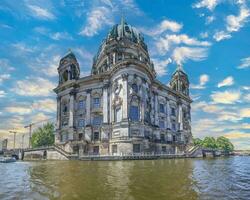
{"x": 194, "y": 151}
{"x": 68, "y": 155}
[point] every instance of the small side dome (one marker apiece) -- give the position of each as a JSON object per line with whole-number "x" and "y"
{"x": 69, "y": 57}
{"x": 68, "y": 68}
{"x": 179, "y": 81}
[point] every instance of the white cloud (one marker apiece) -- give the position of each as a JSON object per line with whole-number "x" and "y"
{"x": 221, "y": 35}
{"x": 245, "y": 112}
{"x": 60, "y": 36}
{"x": 22, "y": 110}
{"x": 181, "y": 54}
{"x": 45, "y": 105}
{"x": 35, "y": 86}
{"x": 2, "y": 93}
{"x": 5, "y": 65}
{"x": 4, "y": 77}
{"x": 226, "y": 82}
{"x": 165, "y": 25}
{"x": 247, "y": 98}
{"x": 228, "y": 116}
{"x": 210, "y": 19}
{"x": 49, "y": 67}
{"x": 164, "y": 43}
{"x": 245, "y": 63}
{"x": 226, "y": 97}
{"x": 204, "y": 35}
{"x": 161, "y": 66}
{"x": 209, "y": 4}
{"x": 97, "y": 18}
{"x": 234, "y": 23}
{"x": 41, "y": 13}
{"x": 23, "y": 48}
{"x": 204, "y": 78}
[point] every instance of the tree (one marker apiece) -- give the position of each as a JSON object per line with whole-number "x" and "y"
{"x": 197, "y": 141}
{"x": 209, "y": 142}
{"x": 224, "y": 144}
{"x": 43, "y": 136}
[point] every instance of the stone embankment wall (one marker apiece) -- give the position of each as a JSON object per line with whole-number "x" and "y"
{"x": 43, "y": 155}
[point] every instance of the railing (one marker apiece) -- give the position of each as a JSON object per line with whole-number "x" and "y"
{"x": 149, "y": 154}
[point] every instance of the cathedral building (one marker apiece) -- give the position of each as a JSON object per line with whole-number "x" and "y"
{"x": 121, "y": 108}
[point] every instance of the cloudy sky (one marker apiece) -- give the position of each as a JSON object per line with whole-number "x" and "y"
{"x": 210, "y": 38}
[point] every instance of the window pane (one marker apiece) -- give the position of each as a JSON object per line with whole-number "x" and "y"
{"x": 96, "y": 102}
{"x": 81, "y": 104}
{"x": 96, "y": 135}
{"x": 173, "y": 111}
{"x": 161, "y": 108}
{"x": 97, "y": 120}
{"x": 134, "y": 113}
{"x": 161, "y": 124}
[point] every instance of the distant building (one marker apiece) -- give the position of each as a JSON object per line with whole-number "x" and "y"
{"x": 3, "y": 144}
{"x": 121, "y": 108}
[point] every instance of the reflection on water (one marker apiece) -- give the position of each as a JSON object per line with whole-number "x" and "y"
{"x": 226, "y": 178}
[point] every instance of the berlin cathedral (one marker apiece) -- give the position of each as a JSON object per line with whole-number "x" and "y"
{"x": 121, "y": 108}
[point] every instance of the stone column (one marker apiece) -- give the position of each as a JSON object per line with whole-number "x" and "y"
{"x": 88, "y": 106}
{"x": 168, "y": 115}
{"x": 58, "y": 117}
{"x": 125, "y": 97}
{"x": 114, "y": 58}
{"x": 105, "y": 103}
{"x": 143, "y": 99}
{"x": 156, "y": 110}
{"x": 180, "y": 120}
{"x": 71, "y": 109}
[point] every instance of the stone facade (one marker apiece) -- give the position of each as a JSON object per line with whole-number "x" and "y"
{"x": 121, "y": 108}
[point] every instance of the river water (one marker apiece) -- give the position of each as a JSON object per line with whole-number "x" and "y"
{"x": 216, "y": 179}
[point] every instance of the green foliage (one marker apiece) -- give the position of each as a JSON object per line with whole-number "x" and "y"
{"x": 221, "y": 143}
{"x": 43, "y": 136}
{"x": 209, "y": 142}
{"x": 197, "y": 141}
{"x": 224, "y": 144}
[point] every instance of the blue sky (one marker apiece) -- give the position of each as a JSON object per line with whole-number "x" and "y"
{"x": 209, "y": 38}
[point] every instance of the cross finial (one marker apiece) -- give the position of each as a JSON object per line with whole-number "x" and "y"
{"x": 70, "y": 51}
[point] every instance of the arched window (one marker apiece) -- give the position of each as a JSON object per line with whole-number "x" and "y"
{"x": 135, "y": 87}
{"x": 65, "y": 75}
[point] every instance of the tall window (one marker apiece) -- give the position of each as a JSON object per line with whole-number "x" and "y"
{"x": 81, "y": 123}
{"x": 65, "y": 109}
{"x": 118, "y": 114}
{"x": 162, "y": 137}
{"x": 97, "y": 120}
{"x": 161, "y": 108}
{"x": 81, "y": 105}
{"x": 135, "y": 87}
{"x": 96, "y": 102}
{"x": 96, "y": 136}
{"x": 161, "y": 124}
{"x": 134, "y": 113}
{"x": 173, "y": 111}
{"x": 173, "y": 126}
